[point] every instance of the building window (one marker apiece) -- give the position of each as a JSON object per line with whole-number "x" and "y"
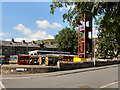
{"x": 24, "y": 52}
{"x": 5, "y": 51}
{"x": 17, "y": 52}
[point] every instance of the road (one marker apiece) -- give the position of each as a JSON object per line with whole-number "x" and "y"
{"x": 101, "y": 78}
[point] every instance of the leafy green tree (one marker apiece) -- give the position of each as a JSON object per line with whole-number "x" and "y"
{"x": 67, "y": 40}
{"x": 90, "y": 8}
{"x": 109, "y": 36}
{"x": 107, "y": 17}
{"x": 108, "y": 47}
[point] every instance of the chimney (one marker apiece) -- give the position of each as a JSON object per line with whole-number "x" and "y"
{"x": 23, "y": 41}
{"x": 41, "y": 44}
{"x": 50, "y": 43}
{"x": 12, "y": 40}
{"x": 33, "y": 42}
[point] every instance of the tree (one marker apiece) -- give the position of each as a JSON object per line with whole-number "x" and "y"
{"x": 108, "y": 41}
{"x": 108, "y": 35}
{"x": 91, "y": 8}
{"x": 67, "y": 40}
{"x": 108, "y": 47}
{"x": 108, "y": 22}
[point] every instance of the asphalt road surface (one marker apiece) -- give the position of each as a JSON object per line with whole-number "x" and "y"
{"x": 101, "y": 78}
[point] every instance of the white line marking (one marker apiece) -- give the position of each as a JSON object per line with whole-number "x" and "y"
{"x": 109, "y": 84}
{"x": 1, "y": 85}
{"x": 18, "y": 78}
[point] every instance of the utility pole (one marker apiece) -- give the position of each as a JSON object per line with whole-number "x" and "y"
{"x": 94, "y": 46}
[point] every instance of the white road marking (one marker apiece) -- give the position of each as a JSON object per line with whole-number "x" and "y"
{"x": 18, "y": 78}
{"x": 1, "y": 85}
{"x": 109, "y": 84}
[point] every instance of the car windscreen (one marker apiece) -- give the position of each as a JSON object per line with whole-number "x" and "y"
{"x": 35, "y": 58}
{"x": 13, "y": 58}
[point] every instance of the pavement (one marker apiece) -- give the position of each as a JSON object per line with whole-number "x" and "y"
{"x": 97, "y": 77}
{"x": 1, "y": 85}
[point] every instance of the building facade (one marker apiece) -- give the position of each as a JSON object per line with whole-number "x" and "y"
{"x": 13, "y": 48}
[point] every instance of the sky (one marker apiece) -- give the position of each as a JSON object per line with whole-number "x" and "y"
{"x": 30, "y": 21}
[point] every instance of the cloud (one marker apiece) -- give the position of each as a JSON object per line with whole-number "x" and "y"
{"x": 45, "y": 24}
{"x": 7, "y": 39}
{"x": 41, "y": 34}
{"x": 23, "y": 29}
{"x": 19, "y": 39}
{"x": 31, "y": 35}
{"x": 2, "y": 34}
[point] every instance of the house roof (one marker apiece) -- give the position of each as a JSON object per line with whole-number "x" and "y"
{"x": 51, "y": 45}
{"x": 26, "y": 44}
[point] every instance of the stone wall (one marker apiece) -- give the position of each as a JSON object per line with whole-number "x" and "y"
{"x": 28, "y": 69}
{"x": 77, "y": 65}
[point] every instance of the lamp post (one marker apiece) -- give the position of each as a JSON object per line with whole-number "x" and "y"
{"x": 94, "y": 46}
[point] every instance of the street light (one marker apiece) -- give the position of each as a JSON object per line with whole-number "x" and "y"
{"x": 94, "y": 45}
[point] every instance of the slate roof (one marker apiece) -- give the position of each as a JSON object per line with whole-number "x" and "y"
{"x": 51, "y": 45}
{"x": 26, "y": 44}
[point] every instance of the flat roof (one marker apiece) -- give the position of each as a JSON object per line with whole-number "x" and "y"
{"x": 19, "y": 55}
{"x": 48, "y": 51}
